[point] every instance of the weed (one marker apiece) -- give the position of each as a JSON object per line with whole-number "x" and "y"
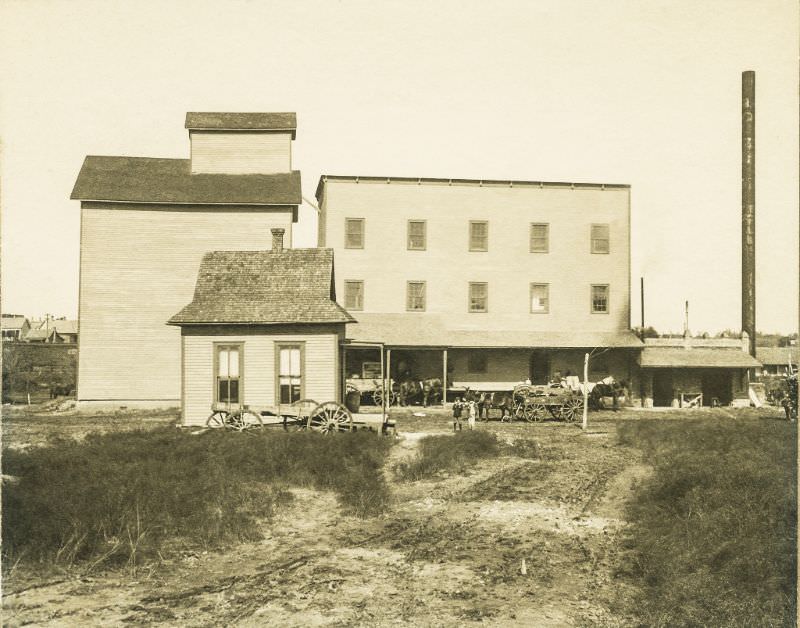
{"x": 118, "y": 498}
{"x": 714, "y": 535}
{"x": 448, "y": 453}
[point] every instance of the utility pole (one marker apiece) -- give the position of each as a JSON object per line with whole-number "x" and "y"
{"x": 585, "y": 392}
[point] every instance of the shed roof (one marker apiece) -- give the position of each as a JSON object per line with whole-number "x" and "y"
{"x": 264, "y": 287}
{"x": 430, "y": 330}
{"x": 240, "y": 121}
{"x": 38, "y": 335}
{"x": 777, "y": 355}
{"x": 696, "y": 357}
{"x": 471, "y": 182}
{"x": 170, "y": 181}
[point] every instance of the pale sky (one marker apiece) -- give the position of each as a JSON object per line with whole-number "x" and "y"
{"x": 645, "y": 93}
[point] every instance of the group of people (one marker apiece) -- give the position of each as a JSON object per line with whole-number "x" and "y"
{"x": 469, "y": 409}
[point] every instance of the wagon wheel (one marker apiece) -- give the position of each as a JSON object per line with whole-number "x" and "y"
{"x": 330, "y": 417}
{"x": 218, "y": 418}
{"x": 377, "y": 396}
{"x": 243, "y": 420}
{"x": 572, "y": 409}
{"x": 534, "y": 412}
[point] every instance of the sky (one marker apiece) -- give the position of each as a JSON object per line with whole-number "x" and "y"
{"x": 643, "y": 93}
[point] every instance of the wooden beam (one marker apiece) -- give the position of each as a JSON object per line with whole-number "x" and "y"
{"x": 444, "y": 375}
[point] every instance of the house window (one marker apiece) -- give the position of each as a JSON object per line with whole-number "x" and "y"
{"x": 354, "y": 295}
{"x": 540, "y": 298}
{"x": 600, "y": 239}
{"x": 600, "y": 299}
{"x": 415, "y": 296}
{"x": 229, "y": 363}
{"x": 540, "y": 237}
{"x": 290, "y": 373}
{"x": 416, "y": 235}
{"x": 478, "y": 235}
{"x": 477, "y": 362}
{"x": 478, "y": 297}
{"x": 354, "y": 233}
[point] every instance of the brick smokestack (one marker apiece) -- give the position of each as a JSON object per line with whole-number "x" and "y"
{"x": 749, "y": 207}
{"x": 277, "y": 240}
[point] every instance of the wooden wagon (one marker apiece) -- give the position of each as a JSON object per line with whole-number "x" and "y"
{"x": 534, "y": 403}
{"x": 328, "y": 417}
{"x": 375, "y": 389}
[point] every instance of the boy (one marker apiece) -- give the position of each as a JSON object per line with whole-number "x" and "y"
{"x": 457, "y": 407}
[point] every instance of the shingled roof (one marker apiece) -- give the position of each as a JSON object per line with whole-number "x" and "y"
{"x": 264, "y": 288}
{"x": 157, "y": 180}
{"x": 233, "y": 121}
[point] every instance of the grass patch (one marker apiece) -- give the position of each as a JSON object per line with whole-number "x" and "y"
{"x": 454, "y": 453}
{"x": 714, "y": 536}
{"x": 118, "y": 498}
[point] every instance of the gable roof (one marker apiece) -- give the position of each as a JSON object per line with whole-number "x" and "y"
{"x": 13, "y": 322}
{"x": 264, "y": 287}
{"x": 777, "y": 355}
{"x": 157, "y": 180}
{"x": 233, "y": 121}
{"x": 696, "y": 357}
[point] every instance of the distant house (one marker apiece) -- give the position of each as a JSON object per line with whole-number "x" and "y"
{"x": 262, "y": 329}
{"x": 53, "y": 330}
{"x": 14, "y": 326}
{"x": 681, "y": 372}
{"x": 776, "y": 360}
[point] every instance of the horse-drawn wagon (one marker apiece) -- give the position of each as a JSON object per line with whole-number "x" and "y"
{"x": 535, "y": 402}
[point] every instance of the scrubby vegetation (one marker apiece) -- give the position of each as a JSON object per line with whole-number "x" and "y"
{"x": 714, "y": 536}
{"x": 453, "y": 453}
{"x": 123, "y": 497}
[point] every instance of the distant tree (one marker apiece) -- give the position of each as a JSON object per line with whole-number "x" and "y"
{"x": 646, "y": 332}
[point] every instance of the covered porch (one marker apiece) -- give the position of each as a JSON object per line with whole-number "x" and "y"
{"x": 420, "y": 348}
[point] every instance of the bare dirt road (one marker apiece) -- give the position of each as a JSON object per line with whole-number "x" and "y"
{"x": 449, "y": 552}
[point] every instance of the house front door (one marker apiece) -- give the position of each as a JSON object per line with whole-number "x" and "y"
{"x": 539, "y": 367}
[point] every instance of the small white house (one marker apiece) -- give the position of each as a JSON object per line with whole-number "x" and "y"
{"x": 262, "y": 329}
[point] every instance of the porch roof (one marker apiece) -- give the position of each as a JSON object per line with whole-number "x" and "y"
{"x": 696, "y": 357}
{"x": 430, "y": 330}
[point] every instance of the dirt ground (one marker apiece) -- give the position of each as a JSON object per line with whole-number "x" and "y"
{"x": 513, "y": 542}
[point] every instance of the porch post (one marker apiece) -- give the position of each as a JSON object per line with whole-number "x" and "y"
{"x": 387, "y": 393}
{"x": 444, "y": 376}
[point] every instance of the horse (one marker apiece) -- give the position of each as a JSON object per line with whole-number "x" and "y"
{"x": 429, "y": 390}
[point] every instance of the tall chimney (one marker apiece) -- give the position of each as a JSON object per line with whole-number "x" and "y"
{"x": 749, "y": 207}
{"x": 277, "y": 240}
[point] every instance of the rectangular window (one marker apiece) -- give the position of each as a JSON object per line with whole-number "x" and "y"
{"x": 416, "y": 235}
{"x": 354, "y": 233}
{"x": 353, "y": 295}
{"x": 600, "y": 299}
{"x": 228, "y": 369}
{"x": 600, "y": 239}
{"x": 478, "y": 297}
{"x": 477, "y": 362}
{"x": 415, "y": 296}
{"x": 540, "y": 237}
{"x": 540, "y": 298}
{"x": 290, "y": 373}
{"x": 478, "y": 235}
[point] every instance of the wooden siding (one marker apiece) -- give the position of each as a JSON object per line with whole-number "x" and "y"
{"x": 321, "y": 374}
{"x": 138, "y": 268}
{"x": 448, "y": 266}
{"x": 241, "y": 152}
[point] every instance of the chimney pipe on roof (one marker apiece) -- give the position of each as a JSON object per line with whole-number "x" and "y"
{"x": 277, "y": 240}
